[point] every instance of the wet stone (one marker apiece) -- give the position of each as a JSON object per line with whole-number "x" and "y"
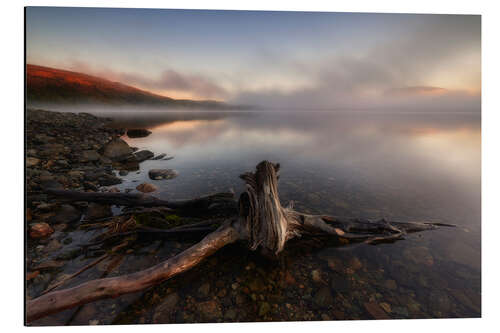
{"x": 204, "y": 290}
{"x": 166, "y": 307}
{"x": 138, "y": 132}
{"x": 31, "y": 162}
{"x": 400, "y": 311}
{"x": 386, "y": 307}
{"x": 159, "y": 157}
{"x": 97, "y": 211}
{"x": 116, "y": 149}
{"x": 90, "y": 156}
{"x": 158, "y": 174}
{"x": 264, "y": 309}
{"x": 419, "y": 255}
{"x": 323, "y": 297}
{"x": 66, "y": 214}
{"x": 376, "y": 311}
{"x": 340, "y": 284}
{"x": 40, "y": 230}
{"x": 391, "y": 284}
{"x": 355, "y": 264}
{"x": 143, "y": 155}
{"x": 210, "y": 310}
{"x": 146, "y": 188}
{"x": 230, "y": 314}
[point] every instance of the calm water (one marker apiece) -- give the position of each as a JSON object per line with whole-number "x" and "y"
{"x": 419, "y": 166}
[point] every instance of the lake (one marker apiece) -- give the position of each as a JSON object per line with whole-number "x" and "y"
{"x": 398, "y": 166}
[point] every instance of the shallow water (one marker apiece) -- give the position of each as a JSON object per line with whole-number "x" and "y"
{"x": 405, "y": 167}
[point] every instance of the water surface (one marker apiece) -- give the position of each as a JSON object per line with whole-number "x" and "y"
{"x": 404, "y": 167}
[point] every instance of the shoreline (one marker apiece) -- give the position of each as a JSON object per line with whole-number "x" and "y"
{"x": 70, "y": 151}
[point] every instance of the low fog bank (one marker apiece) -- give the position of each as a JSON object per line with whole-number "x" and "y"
{"x": 139, "y": 112}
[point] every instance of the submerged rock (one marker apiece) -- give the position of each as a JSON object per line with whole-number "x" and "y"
{"x": 166, "y": 307}
{"x": 386, "y": 307}
{"x": 210, "y": 310}
{"x": 66, "y": 214}
{"x": 204, "y": 289}
{"x": 391, "y": 284}
{"x": 146, "y": 188}
{"x": 376, "y": 311}
{"x": 97, "y": 211}
{"x": 419, "y": 255}
{"x": 355, "y": 264}
{"x": 159, "y": 157}
{"x": 158, "y": 174}
{"x": 107, "y": 180}
{"x": 138, "y": 132}
{"x": 323, "y": 297}
{"x": 143, "y": 155}
{"x": 264, "y": 309}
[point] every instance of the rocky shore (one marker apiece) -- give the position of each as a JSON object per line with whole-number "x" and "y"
{"x": 69, "y": 151}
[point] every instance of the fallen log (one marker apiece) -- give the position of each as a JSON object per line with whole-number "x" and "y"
{"x": 60, "y": 300}
{"x": 262, "y": 224}
{"x": 225, "y": 199}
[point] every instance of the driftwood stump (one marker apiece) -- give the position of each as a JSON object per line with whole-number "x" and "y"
{"x": 261, "y": 223}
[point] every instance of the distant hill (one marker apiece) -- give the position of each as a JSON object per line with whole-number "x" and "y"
{"x": 56, "y": 86}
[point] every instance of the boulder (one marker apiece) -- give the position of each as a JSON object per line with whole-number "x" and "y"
{"x": 40, "y": 230}
{"x": 146, "y": 188}
{"x": 143, "y": 155}
{"x": 158, "y": 174}
{"x": 138, "y": 132}
{"x": 116, "y": 149}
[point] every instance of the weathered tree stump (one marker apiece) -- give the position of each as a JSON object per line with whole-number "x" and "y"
{"x": 262, "y": 224}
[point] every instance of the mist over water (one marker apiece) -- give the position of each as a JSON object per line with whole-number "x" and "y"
{"x": 436, "y": 156}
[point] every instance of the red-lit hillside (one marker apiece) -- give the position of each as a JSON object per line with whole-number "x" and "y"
{"x": 51, "y": 85}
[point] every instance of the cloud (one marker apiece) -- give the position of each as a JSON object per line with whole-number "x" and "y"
{"x": 435, "y": 66}
{"x": 416, "y": 91}
{"x": 172, "y": 80}
{"x": 197, "y": 85}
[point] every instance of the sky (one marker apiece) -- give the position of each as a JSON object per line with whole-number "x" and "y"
{"x": 276, "y": 60}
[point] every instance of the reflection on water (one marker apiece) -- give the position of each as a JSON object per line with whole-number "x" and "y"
{"x": 397, "y": 166}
